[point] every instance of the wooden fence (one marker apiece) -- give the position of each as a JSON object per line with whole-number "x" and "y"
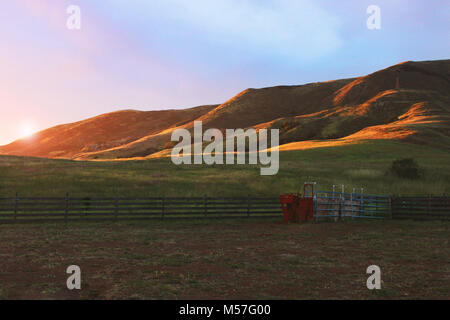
{"x": 65, "y": 209}
{"x": 32, "y": 209}
{"x": 421, "y": 208}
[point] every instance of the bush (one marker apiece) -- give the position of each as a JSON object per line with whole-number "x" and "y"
{"x": 405, "y": 168}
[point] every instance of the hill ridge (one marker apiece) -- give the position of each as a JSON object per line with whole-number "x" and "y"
{"x": 354, "y": 109}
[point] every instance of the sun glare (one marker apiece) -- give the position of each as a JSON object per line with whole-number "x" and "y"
{"x": 26, "y": 130}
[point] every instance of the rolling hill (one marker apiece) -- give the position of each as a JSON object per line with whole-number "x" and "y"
{"x": 100, "y": 133}
{"x": 409, "y": 101}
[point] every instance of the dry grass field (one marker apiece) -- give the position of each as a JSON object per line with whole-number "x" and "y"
{"x": 232, "y": 259}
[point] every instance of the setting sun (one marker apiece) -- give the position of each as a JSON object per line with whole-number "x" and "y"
{"x": 26, "y": 130}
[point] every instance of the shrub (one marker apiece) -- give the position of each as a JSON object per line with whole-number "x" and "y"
{"x": 405, "y": 168}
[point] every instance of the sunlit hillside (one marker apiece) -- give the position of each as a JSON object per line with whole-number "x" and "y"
{"x": 408, "y": 102}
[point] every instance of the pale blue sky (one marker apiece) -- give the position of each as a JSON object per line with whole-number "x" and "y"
{"x": 147, "y": 55}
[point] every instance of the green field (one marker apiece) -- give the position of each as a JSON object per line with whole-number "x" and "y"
{"x": 233, "y": 259}
{"x": 355, "y": 166}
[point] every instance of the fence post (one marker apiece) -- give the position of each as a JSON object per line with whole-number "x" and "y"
{"x": 205, "y": 204}
{"x": 410, "y": 206}
{"x": 16, "y": 200}
{"x": 248, "y": 206}
{"x": 390, "y": 207}
{"x": 163, "y": 206}
{"x": 351, "y": 206}
{"x": 362, "y": 205}
{"x": 66, "y": 212}
{"x": 116, "y": 208}
{"x": 315, "y": 205}
{"x": 376, "y": 206}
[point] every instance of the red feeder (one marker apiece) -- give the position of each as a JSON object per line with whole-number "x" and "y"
{"x": 296, "y": 209}
{"x": 289, "y": 204}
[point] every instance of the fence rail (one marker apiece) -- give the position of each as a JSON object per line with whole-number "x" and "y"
{"x": 422, "y": 208}
{"x": 328, "y": 204}
{"x": 35, "y": 209}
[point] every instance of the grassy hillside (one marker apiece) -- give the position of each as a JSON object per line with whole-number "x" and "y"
{"x": 369, "y": 107}
{"x": 355, "y": 165}
{"x": 405, "y": 102}
{"x": 100, "y": 133}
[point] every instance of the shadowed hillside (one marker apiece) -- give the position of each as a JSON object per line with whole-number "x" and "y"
{"x": 408, "y": 101}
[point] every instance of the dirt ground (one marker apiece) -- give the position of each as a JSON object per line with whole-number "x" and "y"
{"x": 226, "y": 259}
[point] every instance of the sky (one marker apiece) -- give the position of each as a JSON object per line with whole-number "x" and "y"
{"x": 153, "y": 55}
